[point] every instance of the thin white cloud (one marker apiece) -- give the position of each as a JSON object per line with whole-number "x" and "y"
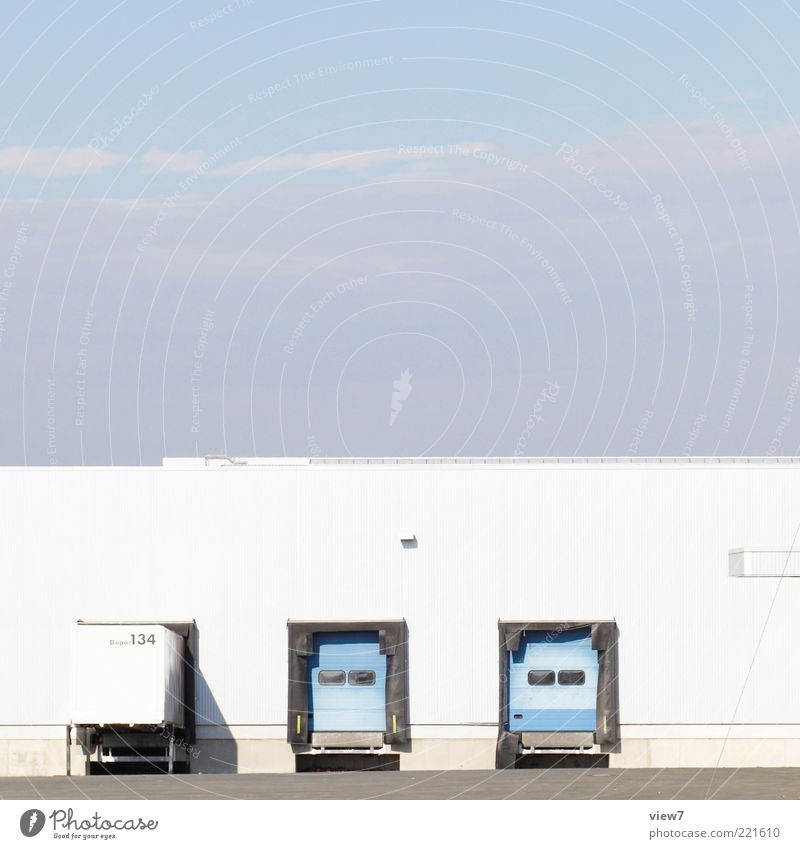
{"x": 55, "y": 162}
{"x": 332, "y": 160}
{"x": 351, "y": 160}
{"x": 58, "y": 162}
{"x": 175, "y": 162}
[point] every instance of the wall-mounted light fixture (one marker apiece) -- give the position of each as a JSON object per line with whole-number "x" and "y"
{"x": 408, "y": 539}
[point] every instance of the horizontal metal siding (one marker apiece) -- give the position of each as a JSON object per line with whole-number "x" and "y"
{"x": 553, "y": 706}
{"x": 345, "y": 706}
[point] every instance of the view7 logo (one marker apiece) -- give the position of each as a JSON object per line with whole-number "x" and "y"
{"x": 31, "y": 822}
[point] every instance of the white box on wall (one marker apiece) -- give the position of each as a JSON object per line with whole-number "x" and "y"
{"x": 764, "y": 562}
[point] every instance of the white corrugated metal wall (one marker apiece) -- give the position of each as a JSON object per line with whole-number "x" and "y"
{"x": 242, "y": 549}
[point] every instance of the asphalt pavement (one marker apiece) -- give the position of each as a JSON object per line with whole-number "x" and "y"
{"x": 457, "y": 784}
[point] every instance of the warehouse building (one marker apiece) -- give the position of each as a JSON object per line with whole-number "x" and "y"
{"x": 271, "y": 615}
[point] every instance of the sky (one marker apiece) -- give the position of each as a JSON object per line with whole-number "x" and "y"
{"x": 381, "y": 229}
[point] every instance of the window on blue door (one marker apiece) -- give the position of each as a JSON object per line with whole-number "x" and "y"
{"x": 541, "y": 677}
{"x": 571, "y": 677}
{"x": 331, "y": 677}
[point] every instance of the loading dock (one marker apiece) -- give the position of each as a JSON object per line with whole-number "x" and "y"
{"x": 132, "y": 698}
{"x": 553, "y": 688}
{"x": 347, "y": 679}
{"x": 348, "y": 690}
{"x": 558, "y": 689}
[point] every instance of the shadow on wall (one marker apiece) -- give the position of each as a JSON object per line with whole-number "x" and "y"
{"x": 350, "y": 762}
{"x": 215, "y": 750}
{"x": 407, "y": 745}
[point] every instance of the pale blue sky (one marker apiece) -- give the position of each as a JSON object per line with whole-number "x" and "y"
{"x": 234, "y": 227}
